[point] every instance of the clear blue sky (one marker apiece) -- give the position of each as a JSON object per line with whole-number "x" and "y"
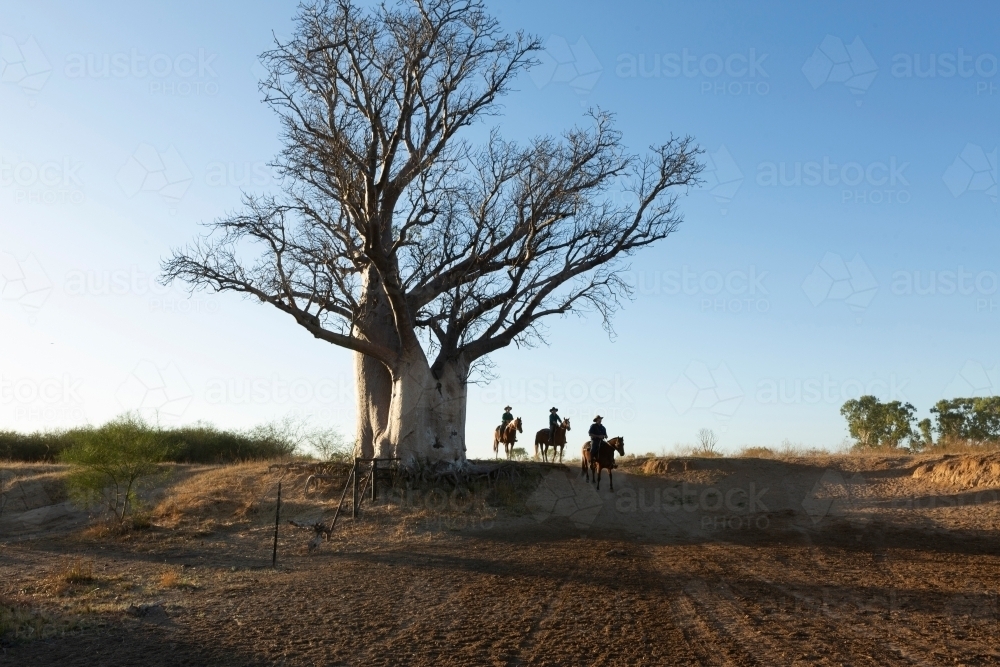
{"x": 845, "y": 240}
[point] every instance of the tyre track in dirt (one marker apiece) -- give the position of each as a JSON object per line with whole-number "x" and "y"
{"x": 698, "y": 634}
{"x": 887, "y": 637}
{"x": 815, "y": 645}
{"x": 897, "y": 653}
{"x": 752, "y": 590}
{"x": 734, "y": 607}
{"x": 638, "y": 624}
{"x": 720, "y": 618}
{"x": 553, "y": 602}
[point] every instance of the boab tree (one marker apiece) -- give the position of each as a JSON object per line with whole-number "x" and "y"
{"x": 399, "y": 239}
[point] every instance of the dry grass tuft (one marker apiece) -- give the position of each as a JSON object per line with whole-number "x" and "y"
{"x": 170, "y": 579}
{"x": 757, "y": 453}
{"x": 956, "y": 446}
{"x": 21, "y": 623}
{"x": 77, "y": 571}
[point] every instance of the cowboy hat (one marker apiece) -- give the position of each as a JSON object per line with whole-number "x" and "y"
{"x": 553, "y": 409}
{"x": 507, "y": 407}
{"x": 598, "y": 417}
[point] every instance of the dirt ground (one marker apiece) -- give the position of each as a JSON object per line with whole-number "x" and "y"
{"x": 832, "y": 561}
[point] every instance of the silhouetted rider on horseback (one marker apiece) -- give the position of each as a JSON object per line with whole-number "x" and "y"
{"x": 554, "y": 422}
{"x": 507, "y": 418}
{"x": 598, "y": 434}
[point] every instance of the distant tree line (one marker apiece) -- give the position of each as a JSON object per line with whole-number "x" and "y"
{"x": 874, "y": 424}
{"x": 198, "y": 443}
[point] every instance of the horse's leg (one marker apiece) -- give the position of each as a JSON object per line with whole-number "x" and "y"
{"x": 599, "y": 471}
{"x": 611, "y": 483}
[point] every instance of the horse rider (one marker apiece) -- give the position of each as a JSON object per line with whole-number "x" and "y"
{"x": 598, "y": 434}
{"x": 554, "y": 422}
{"x": 506, "y": 419}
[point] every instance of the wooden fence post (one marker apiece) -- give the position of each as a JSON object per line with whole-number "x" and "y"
{"x": 354, "y": 507}
{"x": 277, "y": 512}
{"x": 374, "y": 477}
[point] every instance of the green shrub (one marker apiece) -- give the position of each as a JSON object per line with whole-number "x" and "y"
{"x": 33, "y": 447}
{"x": 200, "y": 443}
{"x": 111, "y": 462}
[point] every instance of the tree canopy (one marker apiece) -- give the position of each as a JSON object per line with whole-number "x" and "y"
{"x": 396, "y": 237}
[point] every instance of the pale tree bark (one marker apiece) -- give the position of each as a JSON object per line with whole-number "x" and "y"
{"x": 428, "y": 410}
{"x": 373, "y": 385}
{"x": 373, "y": 382}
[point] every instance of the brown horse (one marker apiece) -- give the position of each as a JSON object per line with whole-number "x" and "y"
{"x": 558, "y": 443}
{"x": 508, "y": 438}
{"x": 605, "y": 459}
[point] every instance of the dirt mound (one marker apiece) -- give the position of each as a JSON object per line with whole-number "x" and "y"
{"x": 660, "y": 466}
{"x": 33, "y": 499}
{"x": 226, "y": 492}
{"x": 964, "y": 472}
{"x": 245, "y": 492}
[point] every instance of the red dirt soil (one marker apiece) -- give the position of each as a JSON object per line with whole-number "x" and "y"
{"x": 840, "y": 561}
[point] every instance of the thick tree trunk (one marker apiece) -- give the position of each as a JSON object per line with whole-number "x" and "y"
{"x": 373, "y": 384}
{"x": 427, "y": 413}
{"x": 372, "y": 379}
